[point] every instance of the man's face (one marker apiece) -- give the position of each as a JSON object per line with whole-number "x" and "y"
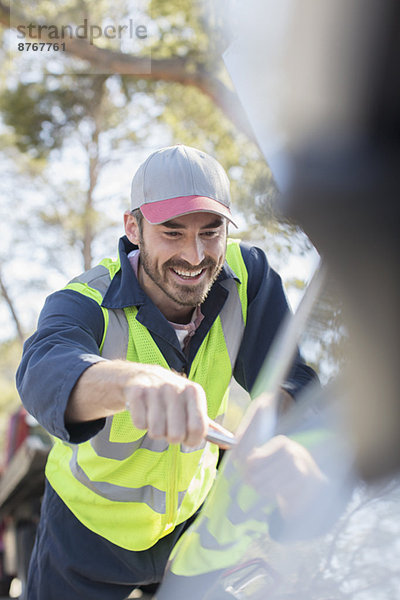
{"x": 180, "y": 259}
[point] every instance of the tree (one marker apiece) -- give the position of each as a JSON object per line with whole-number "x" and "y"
{"x": 7, "y": 298}
{"x": 96, "y": 103}
{"x": 183, "y": 58}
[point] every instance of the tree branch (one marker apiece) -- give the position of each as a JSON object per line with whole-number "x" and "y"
{"x": 10, "y": 304}
{"x": 176, "y": 69}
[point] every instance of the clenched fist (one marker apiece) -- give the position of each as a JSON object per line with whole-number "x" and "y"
{"x": 168, "y": 405}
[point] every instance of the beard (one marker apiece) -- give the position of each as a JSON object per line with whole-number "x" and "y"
{"x": 183, "y": 295}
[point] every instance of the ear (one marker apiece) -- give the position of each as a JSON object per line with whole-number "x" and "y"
{"x": 131, "y": 228}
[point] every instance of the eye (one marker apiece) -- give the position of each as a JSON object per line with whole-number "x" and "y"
{"x": 209, "y": 234}
{"x": 172, "y": 234}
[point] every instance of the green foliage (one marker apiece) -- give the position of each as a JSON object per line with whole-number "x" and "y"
{"x": 43, "y": 114}
{"x": 105, "y": 117}
{"x": 180, "y": 29}
{"x": 193, "y": 119}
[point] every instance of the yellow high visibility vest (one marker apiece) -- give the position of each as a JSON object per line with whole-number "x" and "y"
{"x": 121, "y": 484}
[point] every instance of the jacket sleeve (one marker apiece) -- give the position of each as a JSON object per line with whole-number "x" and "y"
{"x": 66, "y": 343}
{"x": 267, "y": 307}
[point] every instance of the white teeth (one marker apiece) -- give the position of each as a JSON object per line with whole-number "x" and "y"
{"x": 188, "y": 273}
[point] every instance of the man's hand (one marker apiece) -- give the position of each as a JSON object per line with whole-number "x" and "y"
{"x": 285, "y": 472}
{"x": 168, "y": 405}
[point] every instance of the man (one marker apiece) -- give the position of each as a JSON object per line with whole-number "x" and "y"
{"x": 103, "y": 374}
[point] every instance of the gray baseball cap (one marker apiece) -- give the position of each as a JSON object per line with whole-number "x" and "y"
{"x": 179, "y": 180}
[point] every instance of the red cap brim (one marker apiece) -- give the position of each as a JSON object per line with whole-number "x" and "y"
{"x": 165, "y": 210}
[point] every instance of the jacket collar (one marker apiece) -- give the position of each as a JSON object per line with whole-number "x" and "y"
{"x": 125, "y": 289}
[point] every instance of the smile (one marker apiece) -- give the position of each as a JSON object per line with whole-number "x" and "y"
{"x": 183, "y": 274}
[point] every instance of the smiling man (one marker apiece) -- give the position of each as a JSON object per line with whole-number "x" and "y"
{"x": 180, "y": 260}
{"x": 103, "y": 374}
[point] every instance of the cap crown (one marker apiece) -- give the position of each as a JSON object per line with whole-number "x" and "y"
{"x": 179, "y": 171}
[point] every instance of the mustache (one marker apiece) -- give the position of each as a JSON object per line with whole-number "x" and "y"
{"x": 186, "y": 266}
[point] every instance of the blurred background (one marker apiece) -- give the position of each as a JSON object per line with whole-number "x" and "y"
{"x": 76, "y": 123}
{"x": 88, "y": 90}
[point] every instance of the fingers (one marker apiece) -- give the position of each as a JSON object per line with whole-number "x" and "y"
{"x": 176, "y": 419}
{"x": 197, "y": 420}
{"x": 156, "y": 413}
{"x": 169, "y": 407}
{"x": 185, "y": 415}
{"x": 136, "y": 404}
{"x": 285, "y": 471}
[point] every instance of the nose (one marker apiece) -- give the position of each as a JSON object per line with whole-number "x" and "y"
{"x": 193, "y": 251}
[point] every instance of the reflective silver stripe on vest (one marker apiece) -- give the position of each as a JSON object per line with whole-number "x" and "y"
{"x": 122, "y": 450}
{"x": 232, "y": 320}
{"x": 181, "y": 496}
{"x": 116, "y": 346}
{"x": 147, "y": 494}
{"x": 117, "y": 335}
{"x": 97, "y": 278}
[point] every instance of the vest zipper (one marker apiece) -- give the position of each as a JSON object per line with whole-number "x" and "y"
{"x": 172, "y": 494}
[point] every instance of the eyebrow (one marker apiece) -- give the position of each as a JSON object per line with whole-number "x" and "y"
{"x": 174, "y": 225}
